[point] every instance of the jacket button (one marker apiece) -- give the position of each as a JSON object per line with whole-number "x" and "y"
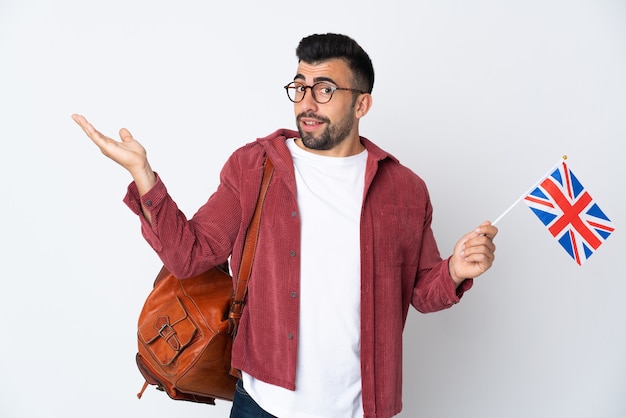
{"x": 293, "y": 253}
{"x": 290, "y": 336}
{"x": 148, "y": 203}
{"x": 294, "y": 294}
{"x": 294, "y": 214}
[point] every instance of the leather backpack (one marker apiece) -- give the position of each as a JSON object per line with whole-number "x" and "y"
{"x": 187, "y": 326}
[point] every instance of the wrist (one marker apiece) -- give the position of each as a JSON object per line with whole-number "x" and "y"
{"x": 455, "y": 277}
{"x": 144, "y": 179}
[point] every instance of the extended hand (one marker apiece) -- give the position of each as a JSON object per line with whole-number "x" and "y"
{"x": 128, "y": 153}
{"x": 473, "y": 253}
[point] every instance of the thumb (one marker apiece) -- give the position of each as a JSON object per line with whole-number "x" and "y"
{"x": 125, "y": 135}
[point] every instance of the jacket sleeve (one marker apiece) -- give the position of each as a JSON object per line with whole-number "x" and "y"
{"x": 434, "y": 288}
{"x": 188, "y": 247}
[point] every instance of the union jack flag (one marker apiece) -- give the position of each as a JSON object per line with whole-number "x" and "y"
{"x": 569, "y": 213}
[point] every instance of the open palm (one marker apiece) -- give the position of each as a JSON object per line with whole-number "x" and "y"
{"x": 128, "y": 152}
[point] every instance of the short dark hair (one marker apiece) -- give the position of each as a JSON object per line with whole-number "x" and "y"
{"x": 320, "y": 47}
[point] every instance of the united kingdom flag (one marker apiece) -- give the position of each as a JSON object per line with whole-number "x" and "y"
{"x": 569, "y": 213}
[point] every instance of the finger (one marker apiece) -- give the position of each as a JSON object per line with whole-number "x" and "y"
{"x": 478, "y": 240}
{"x": 125, "y": 135}
{"x": 96, "y": 136}
{"x": 480, "y": 261}
{"x": 486, "y": 229}
{"x": 486, "y": 248}
{"x": 479, "y": 246}
{"x": 83, "y": 123}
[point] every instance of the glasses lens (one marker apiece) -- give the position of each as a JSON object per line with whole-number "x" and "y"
{"x": 323, "y": 92}
{"x": 295, "y": 91}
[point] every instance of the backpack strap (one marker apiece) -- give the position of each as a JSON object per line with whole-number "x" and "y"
{"x": 249, "y": 249}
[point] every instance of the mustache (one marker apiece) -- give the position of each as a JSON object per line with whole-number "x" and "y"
{"x": 311, "y": 115}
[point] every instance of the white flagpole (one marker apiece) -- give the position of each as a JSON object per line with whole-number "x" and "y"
{"x": 529, "y": 190}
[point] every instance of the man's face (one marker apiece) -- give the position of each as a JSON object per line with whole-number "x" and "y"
{"x": 325, "y": 126}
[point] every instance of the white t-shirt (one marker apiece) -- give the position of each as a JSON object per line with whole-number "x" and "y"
{"x": 328, "y": 374}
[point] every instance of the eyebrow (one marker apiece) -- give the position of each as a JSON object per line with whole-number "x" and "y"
{"x": 316, "y": 79}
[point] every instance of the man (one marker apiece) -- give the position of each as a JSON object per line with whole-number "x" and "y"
{"x": 345, "y": 239}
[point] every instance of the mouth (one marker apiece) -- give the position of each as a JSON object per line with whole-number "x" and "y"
{"x": 310, "y": 124}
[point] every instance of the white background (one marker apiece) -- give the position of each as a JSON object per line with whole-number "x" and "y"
{"x": 480, "y": 98}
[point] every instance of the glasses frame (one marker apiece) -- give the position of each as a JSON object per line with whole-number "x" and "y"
{"x": 291, "y": 84}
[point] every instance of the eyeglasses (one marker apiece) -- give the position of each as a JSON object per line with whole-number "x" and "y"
{"x": 322, "y": 92}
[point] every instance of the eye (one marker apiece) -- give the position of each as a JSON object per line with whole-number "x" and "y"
{"x": 300, "y": 88}
{"x": 325, "y": 89}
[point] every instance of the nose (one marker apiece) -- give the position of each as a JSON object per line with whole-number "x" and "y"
{"x": 307, "y": 103}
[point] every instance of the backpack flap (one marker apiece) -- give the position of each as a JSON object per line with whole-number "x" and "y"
{"x": 167, "y": 331}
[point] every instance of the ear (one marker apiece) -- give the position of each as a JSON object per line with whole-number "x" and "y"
{"x": 363, "y": 105}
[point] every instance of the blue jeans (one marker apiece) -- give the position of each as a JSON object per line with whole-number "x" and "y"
{"x": 245, "y": 407}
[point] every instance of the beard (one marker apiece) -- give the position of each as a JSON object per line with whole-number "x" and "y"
{"x": 333, "y": 135}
